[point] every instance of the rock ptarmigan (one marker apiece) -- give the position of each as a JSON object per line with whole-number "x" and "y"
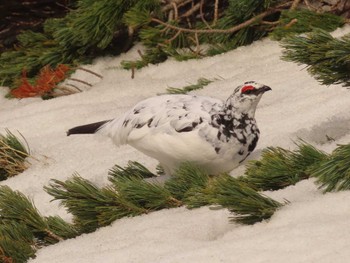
{"x": 215, "y": 135}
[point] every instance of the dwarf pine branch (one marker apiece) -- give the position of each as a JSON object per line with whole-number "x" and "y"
{"x": 293, "y": 22}
{"x": 86, "y": 202}
{"x": 146, "y": 195}
{"x": 248, "y": 206}
{"x": 132, "y": 169}
{"x": 12, "y": 155}
{"x": 132, "y": 195}
{"x": 333, "y": 174}
{"x": 201, "y": 83}
{"x": 23, "y": 230}
{"x": 188, "y": 181}
{"x": 327, "y": 57}
{"x": 279, "y": 168}
{"x": 17, "y": 243}
{"x": 135, "y": 191}
{"x": 180, "y": 29}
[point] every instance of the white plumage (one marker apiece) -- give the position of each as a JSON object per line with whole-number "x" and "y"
{"x": 173, "y": 129}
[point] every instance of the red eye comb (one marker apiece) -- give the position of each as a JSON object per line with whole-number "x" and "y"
{"x": 249, "y": 87}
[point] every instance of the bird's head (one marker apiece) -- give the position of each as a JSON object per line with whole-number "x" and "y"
{"x": 246, "y": 97}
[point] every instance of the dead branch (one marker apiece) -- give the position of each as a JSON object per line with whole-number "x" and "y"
{"x": 91, "y": 72}
{"x": 81, "y": 81}
{"x": 229, "y": 30}
{"x": 202, "y": 15}
{"x": 192, "y": 10}
{"x": 216, "y": 12}
{"x": 295, "y": 4}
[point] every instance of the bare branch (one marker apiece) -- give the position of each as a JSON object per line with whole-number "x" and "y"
{"x": 229, "y": 30}
{"x": 295, "y": 4}
{"x": 91, "y": 72}
{"x": 81, "y": 81}
{"x": 192, "y": 10}
{"x": 202, "y": 15}
{"x": 216, "y": 12}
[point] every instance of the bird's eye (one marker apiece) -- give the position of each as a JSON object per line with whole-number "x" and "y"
{"x": 247, "y": 89}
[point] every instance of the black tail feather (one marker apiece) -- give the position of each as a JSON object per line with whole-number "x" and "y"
{"x": 86, "y": 129}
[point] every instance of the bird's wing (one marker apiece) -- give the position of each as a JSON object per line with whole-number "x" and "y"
{"x": 167, "y": 114}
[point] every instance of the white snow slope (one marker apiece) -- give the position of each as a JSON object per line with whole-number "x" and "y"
{"x": 314, "y": 227}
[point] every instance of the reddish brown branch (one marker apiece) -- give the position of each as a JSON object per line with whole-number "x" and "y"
{"x": 216, "y": 12}
{"x": 91, "y": 72}
{"x": 192, "y": 10}
{"x": 229, "y": 30}
{"x": 81, "y": 81}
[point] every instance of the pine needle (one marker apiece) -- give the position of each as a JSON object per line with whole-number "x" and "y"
{"x": 132, "y": 169}
{"x": 279, "y": 168}
{"x": 305, "y": 21}
{"x": 86, "y": 202}
{"x": 12, "y": 156}
{"x": 248, "y": 206}
{"x": 327, "y": 58}
{"x": 201, "y": 83}
{"x": 186, "y": 177}
{"x": 333, "y": 174}
{"x": 149, "y": 196}
{"x": 16, "y": 242}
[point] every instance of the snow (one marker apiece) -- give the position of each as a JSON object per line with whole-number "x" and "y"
{"x": 314, "y": 227}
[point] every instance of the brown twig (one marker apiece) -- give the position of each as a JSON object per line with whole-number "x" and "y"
{"x": 216, "y": 12}
{"x": 292, "y": 22}
{"x": 175, "y": 201}
{"x": 271, "y": 23}
{"x": 176, "y": 11}
{"x": 229, "y": 30}
{"x": 174, "y": 37}
{"x": 309, "y": 6}
{"x": 197, "y": 43}
{"x": 170, "y": 5}
{"x": 192, "y": 10}
{"x": 295, "y": 4}
{"x": 73, "y": 86}
{"x": 140, "y": 53}
{"x": 67, "y": 90}
{"x": 81, "y": 81}
{"x": 53, "y": 235}
{"x": 202, "y": 15}
{"x": 91, "y": 72}
{"x": 133, "y": 72}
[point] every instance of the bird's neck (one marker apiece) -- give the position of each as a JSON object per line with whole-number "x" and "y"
{"x": 238, "y": 110}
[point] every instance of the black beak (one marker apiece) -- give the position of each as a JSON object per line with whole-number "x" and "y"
{"x": 264, "y": 89}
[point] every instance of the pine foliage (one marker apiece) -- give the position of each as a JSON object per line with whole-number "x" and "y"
{"x": 133, "y": 194}
{"x": 190, "y": 184}
{"x": 107, "y": 26}
{"x": 327, "y": 57}
{"x": 202, "y": 23}
{"x": 144, "y": 195}
{"x": 333, "y": 174}
{"x": 180, "y": 29}
{"x": 91, "y": 206}
{"x": 16, "y": 242}
{"x": 201, "y": 83}
{"x": 12, "y": 155}
{"x": 134, "y": 190}
{"x": 132, "y": 169}
{"x": 23, "y": 229}
{"x": 279, "y": 168}
{"x": 294, "y": 22}
{"x": 81, "y": 35}
{"x": 248, "y": 206}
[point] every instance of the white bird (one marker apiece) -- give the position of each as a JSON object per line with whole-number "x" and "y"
{"x": 213, "y": 134}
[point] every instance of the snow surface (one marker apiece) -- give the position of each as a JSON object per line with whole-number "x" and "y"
{"x": 313, "y": 228}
